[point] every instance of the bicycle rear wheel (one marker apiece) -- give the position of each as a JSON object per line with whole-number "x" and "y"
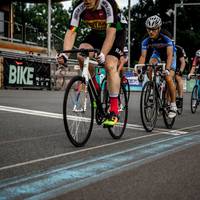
{"x": 118, "y": 130}
{"x": 194, "y": 99}
{"x": 179, "y": 105}
{"x": 169, "y": 122}
{"x": 148, "y": 106}
{"x": 126, "y": 86}
{"x": 78, "y": 111}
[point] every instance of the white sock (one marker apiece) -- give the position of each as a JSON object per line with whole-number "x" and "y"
{"x": 173, "y": 104}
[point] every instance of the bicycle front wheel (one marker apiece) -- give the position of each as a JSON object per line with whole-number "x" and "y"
{"x": 148, "y": 106}
{"x": 194, "y": 99}
{"x": 78, "y": 111}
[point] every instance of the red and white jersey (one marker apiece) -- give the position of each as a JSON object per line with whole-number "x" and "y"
{"x": 107, "y": 14}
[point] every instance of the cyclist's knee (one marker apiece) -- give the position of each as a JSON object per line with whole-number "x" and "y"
{"x": 169, "y": 81}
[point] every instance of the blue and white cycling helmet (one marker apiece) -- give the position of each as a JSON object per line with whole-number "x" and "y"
{"x": 153, "y": 22}
{"x": 198, "y": 53}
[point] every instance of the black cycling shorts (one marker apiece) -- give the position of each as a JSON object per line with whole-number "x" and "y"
{"x": 96, "y": 40}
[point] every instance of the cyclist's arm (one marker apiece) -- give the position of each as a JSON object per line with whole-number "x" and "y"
{"x": 109, "y": 40}
{"x": 193, "y": 66}
{"x": 69, "y": 40}
{"x": 169, "y": 57}
{"x": 143, "y": 57}
{"x": 192, "y": 69}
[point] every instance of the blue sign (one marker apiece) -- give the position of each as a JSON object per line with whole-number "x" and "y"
{"x": 135, "y": 85}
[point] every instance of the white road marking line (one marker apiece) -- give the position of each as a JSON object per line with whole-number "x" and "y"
{"x": 59, "y": 116}
{"x": 31, "y": 138}
{"x": 54, "y": 115}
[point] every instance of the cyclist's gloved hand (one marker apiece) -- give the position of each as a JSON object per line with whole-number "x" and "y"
{"x": 62, "y": 59}
{"x": 101, "y": 58}
{"x": 167, "y": 72}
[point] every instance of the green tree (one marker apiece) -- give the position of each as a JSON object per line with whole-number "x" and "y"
{"x": 187, "y": 32}
{"x": 188, "y": 17}
{"x": 35, "y": 16}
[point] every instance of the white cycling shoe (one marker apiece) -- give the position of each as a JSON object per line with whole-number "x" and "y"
{"x": 172, "y": 112}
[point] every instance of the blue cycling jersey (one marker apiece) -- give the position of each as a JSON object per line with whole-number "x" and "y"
{"x": 157, "y": 48}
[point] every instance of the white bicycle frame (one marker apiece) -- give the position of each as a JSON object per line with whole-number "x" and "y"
{"x": 87, "y": 76}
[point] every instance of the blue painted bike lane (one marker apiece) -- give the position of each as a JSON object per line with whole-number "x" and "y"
{"x": 52, "y": 183}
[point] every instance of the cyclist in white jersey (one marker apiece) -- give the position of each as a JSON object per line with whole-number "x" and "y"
{"x": 108, "y": 33}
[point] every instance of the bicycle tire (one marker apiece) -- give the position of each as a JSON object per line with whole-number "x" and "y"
{"x": 148, "y": 106}
{"x": 179, "y": 109}
{"x": 118, "y": 130}
{"x": 127, "y": 87}
{"x": 78, "y": 121}
{"x": 169, "y": 122}
{"x": 194, "y": 97}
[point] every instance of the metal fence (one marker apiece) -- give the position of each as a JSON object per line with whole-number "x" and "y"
{"x": 28, "y": 35}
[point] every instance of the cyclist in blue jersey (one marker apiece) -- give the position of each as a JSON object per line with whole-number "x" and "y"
{"x": 157, "y": 48}
{"x": 108, "y": 33}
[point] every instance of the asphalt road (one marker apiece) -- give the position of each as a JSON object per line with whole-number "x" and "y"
{"x": 38, "y": 162}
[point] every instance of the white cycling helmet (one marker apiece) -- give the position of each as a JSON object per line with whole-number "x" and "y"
{"x": 153, "y": 22}
{"x": 198, "y": 53}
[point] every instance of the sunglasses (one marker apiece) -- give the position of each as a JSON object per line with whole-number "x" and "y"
{"x": 152, "y": 29}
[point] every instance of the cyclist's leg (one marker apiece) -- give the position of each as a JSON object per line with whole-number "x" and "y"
{"x": 179, "y": 87}
{"x": 91, "y": 42}
{"x": 113, "y": 80}
{"x": 81, "y": 59}
{"x": 153, "y": 60}
{"x": 91, "y": 67}
{"x": 172, "y": 90}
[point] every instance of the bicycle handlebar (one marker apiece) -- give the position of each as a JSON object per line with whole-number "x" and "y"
{"x": 195, "y": 76}
{"x": 144, "y": 67}
{"x": 84, "y": 51}
{"x": 151, "y": 65}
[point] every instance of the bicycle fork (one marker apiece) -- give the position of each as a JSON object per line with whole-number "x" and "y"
{"x": 82, "y": 87}
{"x": 77, "y": 105}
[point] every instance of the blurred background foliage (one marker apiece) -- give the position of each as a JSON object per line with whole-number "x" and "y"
{"x": 187, "y": 31}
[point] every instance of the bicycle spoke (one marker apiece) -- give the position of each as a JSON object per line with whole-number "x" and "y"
{"x": 78, "y": 113}
{"x": 148, "y": 106}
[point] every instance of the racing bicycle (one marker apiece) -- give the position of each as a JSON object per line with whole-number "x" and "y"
{"x": 195, "y": 96}
{"x": 83, "y": 104}
{"x": 154, "y": 96}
